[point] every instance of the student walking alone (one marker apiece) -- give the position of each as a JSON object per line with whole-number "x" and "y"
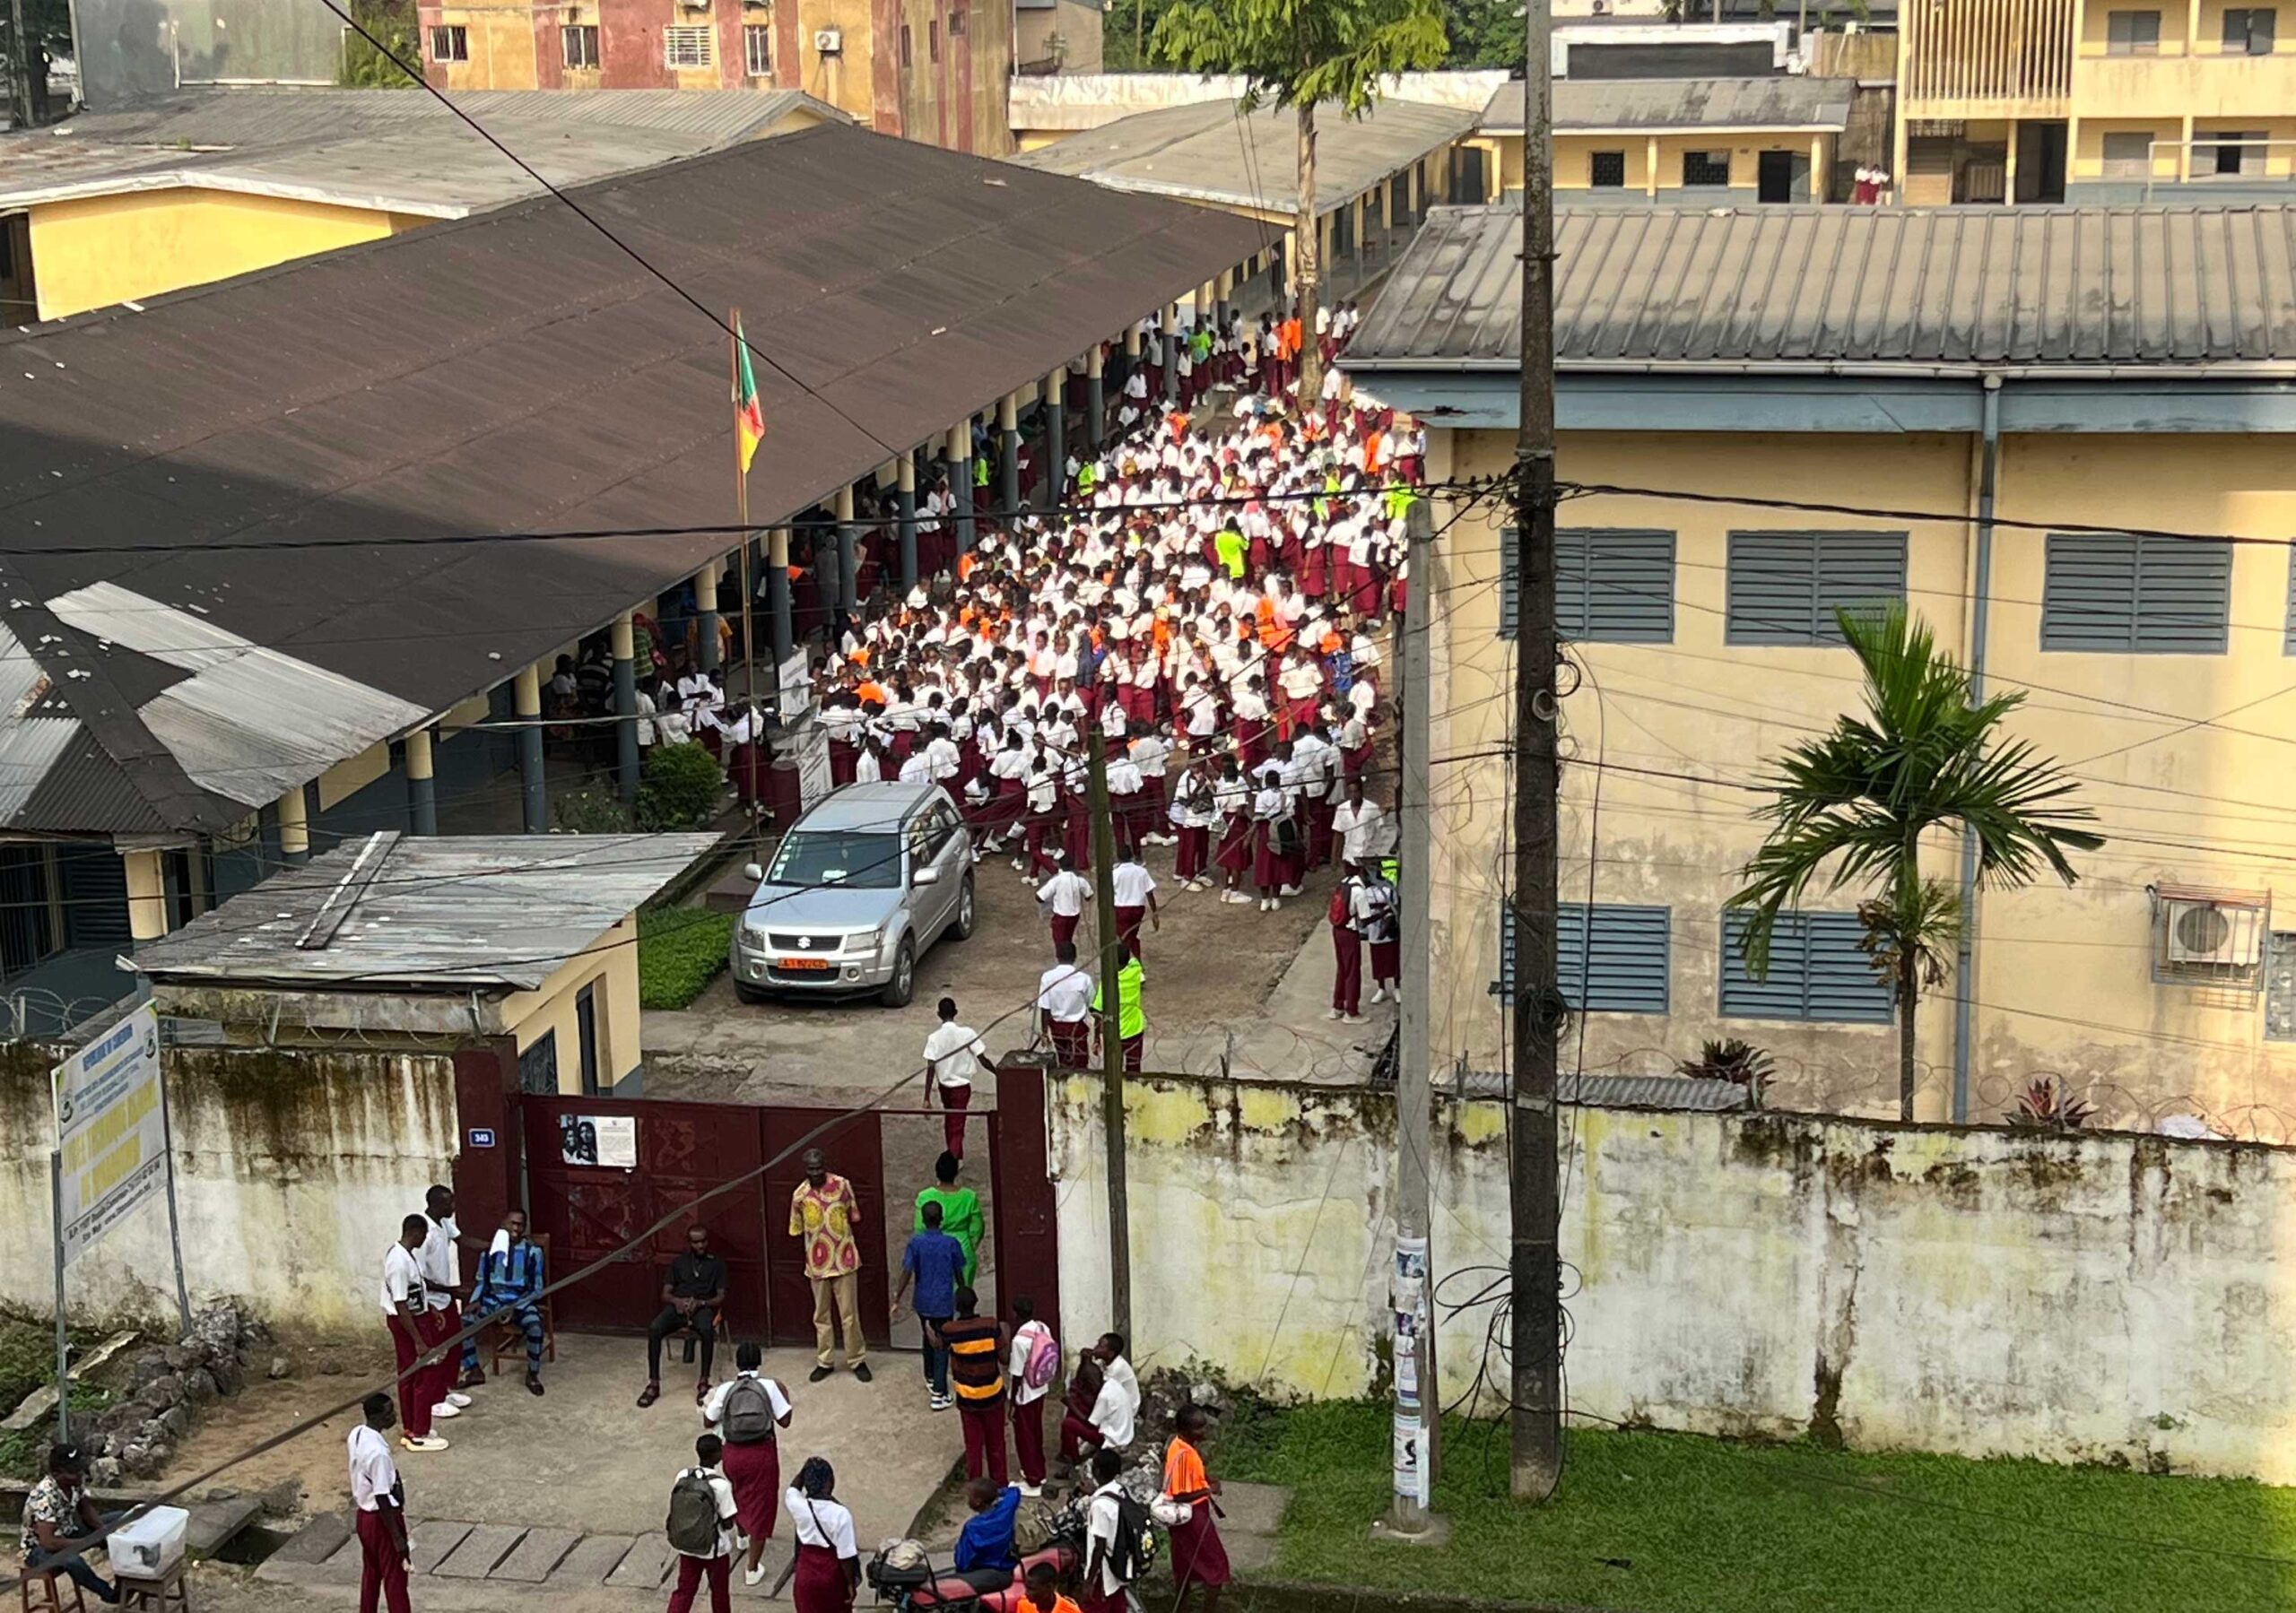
{"x": 379, "y": 1503}
{"x": 828, "y": 1569}
{"x": 745, "y": 1411}
{"x": 704, "y": 1529}
{"x": 953, "y": 1057}
{"x": 1198, "y": 1558}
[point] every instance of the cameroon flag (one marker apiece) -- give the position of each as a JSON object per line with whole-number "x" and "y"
{"x": 749, "y": 414}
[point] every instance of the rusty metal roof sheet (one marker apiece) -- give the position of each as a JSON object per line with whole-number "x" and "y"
{"x": 1214, "y": 153}
{"x": 1954, "y": 288}
{"x": 390, "y": 910}
{"x": 513, "y": 372}
{"x": 1657, "y": 105}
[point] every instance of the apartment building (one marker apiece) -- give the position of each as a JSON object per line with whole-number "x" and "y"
{"x": 2095, "y": 101}
{"x": 2061, "y": 437}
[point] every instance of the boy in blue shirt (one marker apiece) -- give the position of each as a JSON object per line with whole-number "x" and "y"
{"x": 985, "y": 1547}
{"x": 936, "y": 1262}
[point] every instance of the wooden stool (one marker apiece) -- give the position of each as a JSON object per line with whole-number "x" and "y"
{"x": 166, "y": 1590}
{"x": 50, "y": 1585}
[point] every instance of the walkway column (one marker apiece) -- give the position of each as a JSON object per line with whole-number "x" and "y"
{"x": 905, "y": 503}
{"x": 1096, "y": 398}
{"x": 849, "y": 559}
{"x": 623, "y": 642}
{"x": 777, "y": 581}
{"x": 1008, "y": 452}
{"x": 1171, "y": 353}
{"x": 705, "y": 599}
{"x": 534, "y": 789}
{"x": 294, "y": 828}
{"x": 147, "y": 894}
{"x": 421, "y": 790}
{"x": 961, "y": 486}
{"x": 1056, "y": 438}
{"x": 1291, "y": 263}
{"x": 1133, "y": 343}
{"x": 1223, "y": 289}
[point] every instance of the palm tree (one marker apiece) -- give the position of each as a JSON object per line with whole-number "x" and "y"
{"x": 1853, "y": 805}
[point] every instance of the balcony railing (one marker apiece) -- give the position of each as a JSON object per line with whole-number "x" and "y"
{"x": 2007, "y": 53}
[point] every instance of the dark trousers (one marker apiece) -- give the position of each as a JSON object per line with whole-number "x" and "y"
{"x": 1347, "y": 977}
{"x": 705, "y": 1328}
{"x": 415, "y": 1399}
{"x": 1027, "y": 1439}
{"x": 691, "y": 1572}
{"x": 953, "y": 1102}
{"x": 984, "y": 1440}
{"x": 936, "y": 1356}
{"x": 382, "y": 1574}
{"x": 1076, "y": 1437}
{"x": 75, "y": 1567}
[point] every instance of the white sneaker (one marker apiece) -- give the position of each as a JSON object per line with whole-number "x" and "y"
{"x": 429, "y": 1442}
{"x": 1273, "y": 904}
{"x": 753, "y": 1576}
{"x": 1379, "y": 994}
{"x": 445, "y": 1408}
{"x": 1331, "y": 1013}
{"x": 455, "y": 1398}
{"x": 1016, "y": 866}
{"x": 1352, "y": 1019}
{"x": 941, "y": 1402}
{"x": 1233, "y": 896}
{"x": 1030, "y": 1490}
{"x": 1289, "y": 891}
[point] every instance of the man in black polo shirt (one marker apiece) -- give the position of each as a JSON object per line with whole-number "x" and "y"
{"x": 691, "y": 1292}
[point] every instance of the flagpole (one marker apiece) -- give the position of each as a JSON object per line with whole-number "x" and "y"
{"x": 742, "y": 508}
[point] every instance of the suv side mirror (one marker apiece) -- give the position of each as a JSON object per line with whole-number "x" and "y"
{"x": 926, "y": 876}
{"x": 750, "y": 870}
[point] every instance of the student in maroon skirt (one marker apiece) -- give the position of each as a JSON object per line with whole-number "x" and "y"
{"x": 828, "y": 1571}
{"x": 1234, "y": 857}
{"x": 752, "y": 1464}
{"x": 1198, "y": 1556}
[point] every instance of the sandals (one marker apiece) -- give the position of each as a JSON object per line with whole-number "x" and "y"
{"x": 649, "y": 1395}
{"x": 702, "y": 1392}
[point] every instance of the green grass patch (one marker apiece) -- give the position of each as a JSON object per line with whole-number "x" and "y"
{"x": 680, "y": 950}
{"x": 1648, "y": 1523}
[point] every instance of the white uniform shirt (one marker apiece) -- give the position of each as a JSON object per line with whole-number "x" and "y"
{"x": 1132, "y": 884}
{"x": 1104, "y": 1520}
{"x": 401, "y": 1279}
{"x": 1112, "y": 1414}
{"x": 1365, "y": 832}
{"x": 954, "y": 1052}
{"x": 1065, "y": 993}
{"x": 373, "y": 1474}
{"x": 825, "y": 1523}
{"x": 442, "y": 1262}
{"x": 1016, "y": 1365}
{"x": 1065, "y": 893}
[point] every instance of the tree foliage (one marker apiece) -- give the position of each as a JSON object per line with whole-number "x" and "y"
{"x": 392, "y": 22}
{"x": 1851, "y": 808}
{"x": 1294, "y": 53}
{"x": 1484, "y": 33}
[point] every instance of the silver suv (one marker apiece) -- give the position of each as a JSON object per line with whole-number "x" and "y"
{"x": 858, "y": 888}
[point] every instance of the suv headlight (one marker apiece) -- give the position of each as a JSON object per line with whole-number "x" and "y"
{"x": 751, "y": 936}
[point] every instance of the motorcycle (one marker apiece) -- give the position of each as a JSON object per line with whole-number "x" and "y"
{"x": 902, "y": 1574}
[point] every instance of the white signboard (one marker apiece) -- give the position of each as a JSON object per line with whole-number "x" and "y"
{"x": 811, "y": 749}
{"x": 110, "y": 1131}
{"x": 796, "y": 685}
{"x": 607, "y": 1141}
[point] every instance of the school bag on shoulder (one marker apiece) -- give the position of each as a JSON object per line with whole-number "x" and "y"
{"x": 692, "y": 1523}
{"x": 1044, "y": 1359}
{"x": 1133, "y": 1552}
{"x": 747, "y": 1415}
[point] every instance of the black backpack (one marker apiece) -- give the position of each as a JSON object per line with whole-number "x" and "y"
{"x": 1134, "y": 1549}
{"x": 747, "y": 1415}
{"x": 692, "y": 1523}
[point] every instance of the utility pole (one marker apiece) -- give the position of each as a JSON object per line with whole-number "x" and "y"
{"x": 19, "y": 65}
{"x": 1418, "y": 1398}
{"x": 1111, "y": 1036}
{"x": 1535, "y": 1265}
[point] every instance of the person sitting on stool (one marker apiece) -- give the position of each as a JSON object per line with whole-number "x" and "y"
{"x": 692, "y": 1294}
{"x": 58, "y": 1514}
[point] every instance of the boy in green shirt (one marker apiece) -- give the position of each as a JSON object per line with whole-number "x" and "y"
{"x": 960, "y": 1216}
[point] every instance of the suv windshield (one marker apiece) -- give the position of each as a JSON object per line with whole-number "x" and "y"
{"x": 817, "y": 857}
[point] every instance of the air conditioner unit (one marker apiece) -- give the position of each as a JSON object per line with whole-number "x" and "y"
{"x": 2208, "y": 935}
{"x": 829, "y": 41}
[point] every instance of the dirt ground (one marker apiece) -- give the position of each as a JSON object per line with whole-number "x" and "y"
{"x": 324, "y": 1375}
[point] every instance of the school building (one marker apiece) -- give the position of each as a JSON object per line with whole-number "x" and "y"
{"x": 2061, "y": 437}
{"x": 193, "y": 186}
{"x": 925, "y": 70}
{"x": 282, "y": 569}
{"x": 2095, "y": 101}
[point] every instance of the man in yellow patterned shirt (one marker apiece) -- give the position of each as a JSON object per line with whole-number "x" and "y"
{"x": 822, "y": 1212}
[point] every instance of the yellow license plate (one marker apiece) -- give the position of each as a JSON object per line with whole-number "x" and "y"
{"x": 801, "y": 963}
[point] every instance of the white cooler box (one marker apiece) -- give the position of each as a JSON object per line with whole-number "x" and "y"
{"x": 147, "y": 1547}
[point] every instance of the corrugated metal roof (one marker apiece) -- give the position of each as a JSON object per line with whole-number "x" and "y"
{"x": 1952, "y": 287}
{"x": 1655, "y": 105}
{"x": 1622, "y": 1091}
{"x": 1214, "y": 153}
{"x": 516, "y": 372}
{"x": 396, "y": 150}
{"x": 1087, "y": 101}
{"x": 502, "y": 911}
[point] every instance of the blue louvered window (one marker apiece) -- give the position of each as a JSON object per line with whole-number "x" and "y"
{"x": 1614, "y": 587}
{"x": 2143, "y": 595}
{"x": 1816, "y": 972}
{"x": 1786, "y": 587}
{"x": 1615, "y": 964}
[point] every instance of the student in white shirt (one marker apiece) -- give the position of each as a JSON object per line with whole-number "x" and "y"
{"x": 717, "y": 1564}
{"x": 1366, "y": 833}
{"x": 1102, "y": 1520}
{"x": 953, "y": 1054}
{"x": 442, "y": 1283}
{"x": 828, "y": 1570}
{"x": 752, "y": 1465}
{"x": 1062, "y": 897}
{"x": 379, "y": 1505}
{"x": 406, "y": 1312}
{"x": 1064, "y": 1006}
{"x": 1136, "y": 898}
{"x": 1028, "y": 1399}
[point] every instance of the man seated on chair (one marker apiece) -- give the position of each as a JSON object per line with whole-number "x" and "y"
{"x": 510, "y": 1277}
{"x": 692, "y": 1290}
{"x": 59, "y": 1512}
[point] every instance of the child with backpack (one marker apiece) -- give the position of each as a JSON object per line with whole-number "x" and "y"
{"x": 744, "y": 1411}
{"x": 702, "y": 1529}
{"x": 1121, "y": 1542}
{"x": 1035, "y": 1362}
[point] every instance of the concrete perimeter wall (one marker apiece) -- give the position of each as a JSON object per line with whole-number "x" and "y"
{"x": 294, "y": 1169}
{"x": 2088, "y": 1298}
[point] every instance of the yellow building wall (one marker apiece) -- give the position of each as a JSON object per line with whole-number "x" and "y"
{"x": 501, "y": 48}
{"x": 2063, "y": 982}
{"x": 101, "y": 250}
{"x": 610, "y": 964}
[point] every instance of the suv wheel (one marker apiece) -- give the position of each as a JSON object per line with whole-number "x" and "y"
{"x": 902, "y": 986}
{"x": 962, "y": 927}
{"x": 744, "y": 992}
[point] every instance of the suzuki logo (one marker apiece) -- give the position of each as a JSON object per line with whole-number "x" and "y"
{"x": 805, "y": 943}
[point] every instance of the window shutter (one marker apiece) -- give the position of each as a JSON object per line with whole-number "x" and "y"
{"x": 1612, "y": 959}
{"x": 1615, "y": 586}
{"x": 1773, "y": 587}
{"x": 1779, "y": 994}
{"x": 1842, "y": 983}
{"x": 1511, "y": 585}
{"x": 2088, "y": 598}
{"x": 2184, "y": 596}
{"x": 1856, "y": 571}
